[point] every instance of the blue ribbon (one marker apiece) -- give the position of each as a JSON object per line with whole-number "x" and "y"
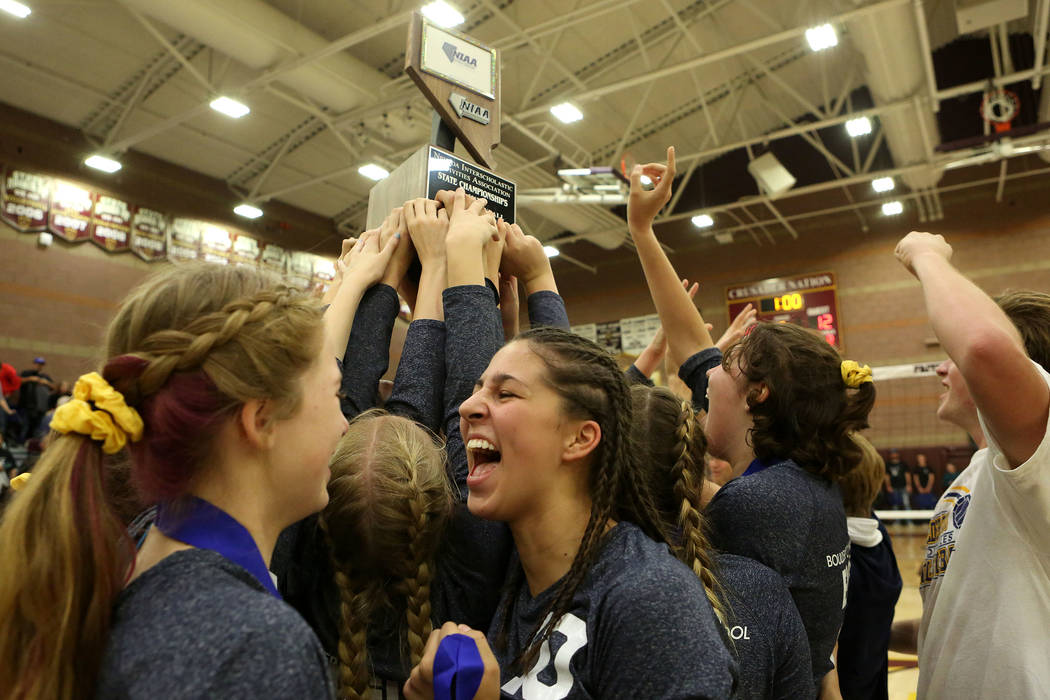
{"x": 458, "y": 668}
{"x": 198, "y": 523}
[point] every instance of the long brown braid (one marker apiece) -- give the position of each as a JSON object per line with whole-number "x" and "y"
{"x": 389, "y": 500}
{"x": 591, "y": 386}
{"x": 671, "y": 446}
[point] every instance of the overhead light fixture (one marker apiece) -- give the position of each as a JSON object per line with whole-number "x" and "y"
{"x": 106, "y": 165}
{"x": 574, "y": 172}
{"x": 230, "y": 107}
{"x": 442, "y": 14}
{"x": 567, "y": 113}
{"x": 892, "y": 208}
{"x": 858, "y": 127}
{"x": 646, "y": 180}
{"x": 883, "y": 184}
{"x": 374, "y": 172}
{"x": 15, "y": 8}
{"x": 551, "y": 251}
{"x": 703, "y": 221}
{"x": 248, "y": 211}
{"x": 822, "y": 37}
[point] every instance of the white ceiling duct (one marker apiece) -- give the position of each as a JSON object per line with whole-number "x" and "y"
{"x": 892, "y": 48}
{"x": 260, "y": 37}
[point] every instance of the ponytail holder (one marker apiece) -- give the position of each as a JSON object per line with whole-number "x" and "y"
{"x": 854, "y": 374}
{"x": 98, "y": 411}
{"x": 19, "y": 482}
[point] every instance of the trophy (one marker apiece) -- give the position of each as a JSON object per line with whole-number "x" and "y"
{"x": 461, "y": 79}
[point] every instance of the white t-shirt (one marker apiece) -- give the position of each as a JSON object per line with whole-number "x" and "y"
{"x": 985, "y": 581}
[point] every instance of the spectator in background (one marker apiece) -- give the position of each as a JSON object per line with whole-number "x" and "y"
{"x": 32, "y": 399}
{"x": 718, "y": 470}
{"x": 950, "y": 472}
{"x": 61, "y": 389}
{"x": 898, "y": 482}
{"x": 923, "y": 480}
{"x": 9, "y": 384}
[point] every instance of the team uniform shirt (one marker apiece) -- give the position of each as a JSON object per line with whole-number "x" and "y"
{"x": 874, "y": 587}
{"x": 766, "y": 632}
{"x": 985, "y": 581}
{"x": 639, "y": 626}
{"x": 196, "y": 625}
{"x": 793, "y": 522}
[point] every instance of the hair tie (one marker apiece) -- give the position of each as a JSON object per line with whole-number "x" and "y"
{"x": 20, "y": 481}
{"x": 99, "y": 411}
{"x": 854, "y": 374}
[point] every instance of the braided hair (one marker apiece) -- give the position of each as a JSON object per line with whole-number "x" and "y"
{"x": 389, "y": 501}
{"x": 591, "y": 386}
{"x": 670, "y": 446}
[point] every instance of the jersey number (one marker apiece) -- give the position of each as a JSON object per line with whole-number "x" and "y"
{"x": 575, "y": 631}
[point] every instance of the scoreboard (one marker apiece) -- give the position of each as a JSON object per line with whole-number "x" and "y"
{"x": 806, "y": 300}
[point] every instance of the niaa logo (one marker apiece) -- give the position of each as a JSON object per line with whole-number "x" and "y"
{"x": 455, "y": 55}
{"x": 959, "y": 511}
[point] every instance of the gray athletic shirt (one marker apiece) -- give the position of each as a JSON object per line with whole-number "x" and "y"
{"x": 768, "y": 638}
{"x": 196, "y": 625}
{"x": 640, "y": 626}
{"x": 793, "y": 522}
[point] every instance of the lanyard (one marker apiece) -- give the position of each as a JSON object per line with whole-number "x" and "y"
{"x": 200, "y": 524}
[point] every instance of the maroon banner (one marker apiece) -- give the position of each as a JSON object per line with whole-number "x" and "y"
{"x": 24, "y": 200}
{"x": 274, "y": 258}
{"x": 149, "y": 230}
{"x": 70, "y": 215}
{"x": 216, "y": 245}
{"x": 184, "y": 242}
{"x": 245, "y": 251}
{"x": 111, "y": 224}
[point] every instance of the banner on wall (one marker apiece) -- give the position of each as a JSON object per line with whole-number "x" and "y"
{"x": 111, "y": 224}
{"x": 245, "y": 251}
{"x": 25, "y": 200}
{"x": 184, "y": 240}
{"x": 324, "y": 273}
{"x": 216, "y": 244}
{"x": 637, "y": 332}
{"x": 149, "y": 231}
{"x": 300, "y": 270}
{"x": 71, "y": 210}
{"x": 274, "y": 258}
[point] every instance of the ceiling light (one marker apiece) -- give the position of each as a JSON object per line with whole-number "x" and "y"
{"x": 106, "y": 165}
{"x": 442, "y": 14}
{"x": 15, "y": 8}
{"x": 703, "y": 221}
{"x": 858, "y": 127}
{"x": 883, "y": 184}
{"x": 374, "y": 172}
{"x": 230, "y": 107}
{"x": 248, "y": 211}
{"x": 551, "y": 251}
{"x": 822, "y": 37}
{"x": 892, "y": 208}
{"x": 646, "y": 180}
{"x": 567, "y": 113}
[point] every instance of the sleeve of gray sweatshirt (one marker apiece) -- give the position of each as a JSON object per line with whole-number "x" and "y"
{"x": 367, "y": 353}
{"x": 694, "y": 373}
{"x": 419, "y": 383}
{"x": 547, "y": 308}
{"x": 635, "y": 376}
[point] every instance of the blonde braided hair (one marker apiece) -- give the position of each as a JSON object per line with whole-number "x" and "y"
{"x": 389, "y": 500}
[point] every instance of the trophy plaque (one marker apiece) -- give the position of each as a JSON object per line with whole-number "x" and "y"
{"x": 461, "y": 79}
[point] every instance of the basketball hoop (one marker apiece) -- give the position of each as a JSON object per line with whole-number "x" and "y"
{"x": 998, "y": 108}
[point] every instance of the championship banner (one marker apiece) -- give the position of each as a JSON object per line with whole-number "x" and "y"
{"x": 149, "y": 230}
{"x": 274, "y": 258}
{"x": 111, "y": 224}
{"x": 324, "y": 272}
{"x": 637, "y": 332}
{"x": 300, "y": 270}
{"x": 216, "y": 245}
{"x": 71, "y": 209}
{"x": 184, "y": 242}
{"x": 25, "y": 200}
{"x": 245, "y": 251}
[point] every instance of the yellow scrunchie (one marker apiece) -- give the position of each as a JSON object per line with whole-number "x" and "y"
{"x": 20, "y": 481}
{"x": 112, "y": 422}
{"x": 854, "y": 374}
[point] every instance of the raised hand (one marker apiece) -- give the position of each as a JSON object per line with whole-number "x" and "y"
{"x": 643, "y": 205}
{"x": 395, "y": 223}
{"x": 738, "y": 328}
{"x": 917, "y": 244}
{"x": 428, "y": 226}
{"x": 471, "y": 220}
{"x": 509, "y": 306}
{"x": 524, "y": 258}
{"x": 367, "y": 261}
{"x": 494, "y": 248}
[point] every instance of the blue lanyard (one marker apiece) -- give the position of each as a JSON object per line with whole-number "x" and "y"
{"x": 200, "y": 524}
